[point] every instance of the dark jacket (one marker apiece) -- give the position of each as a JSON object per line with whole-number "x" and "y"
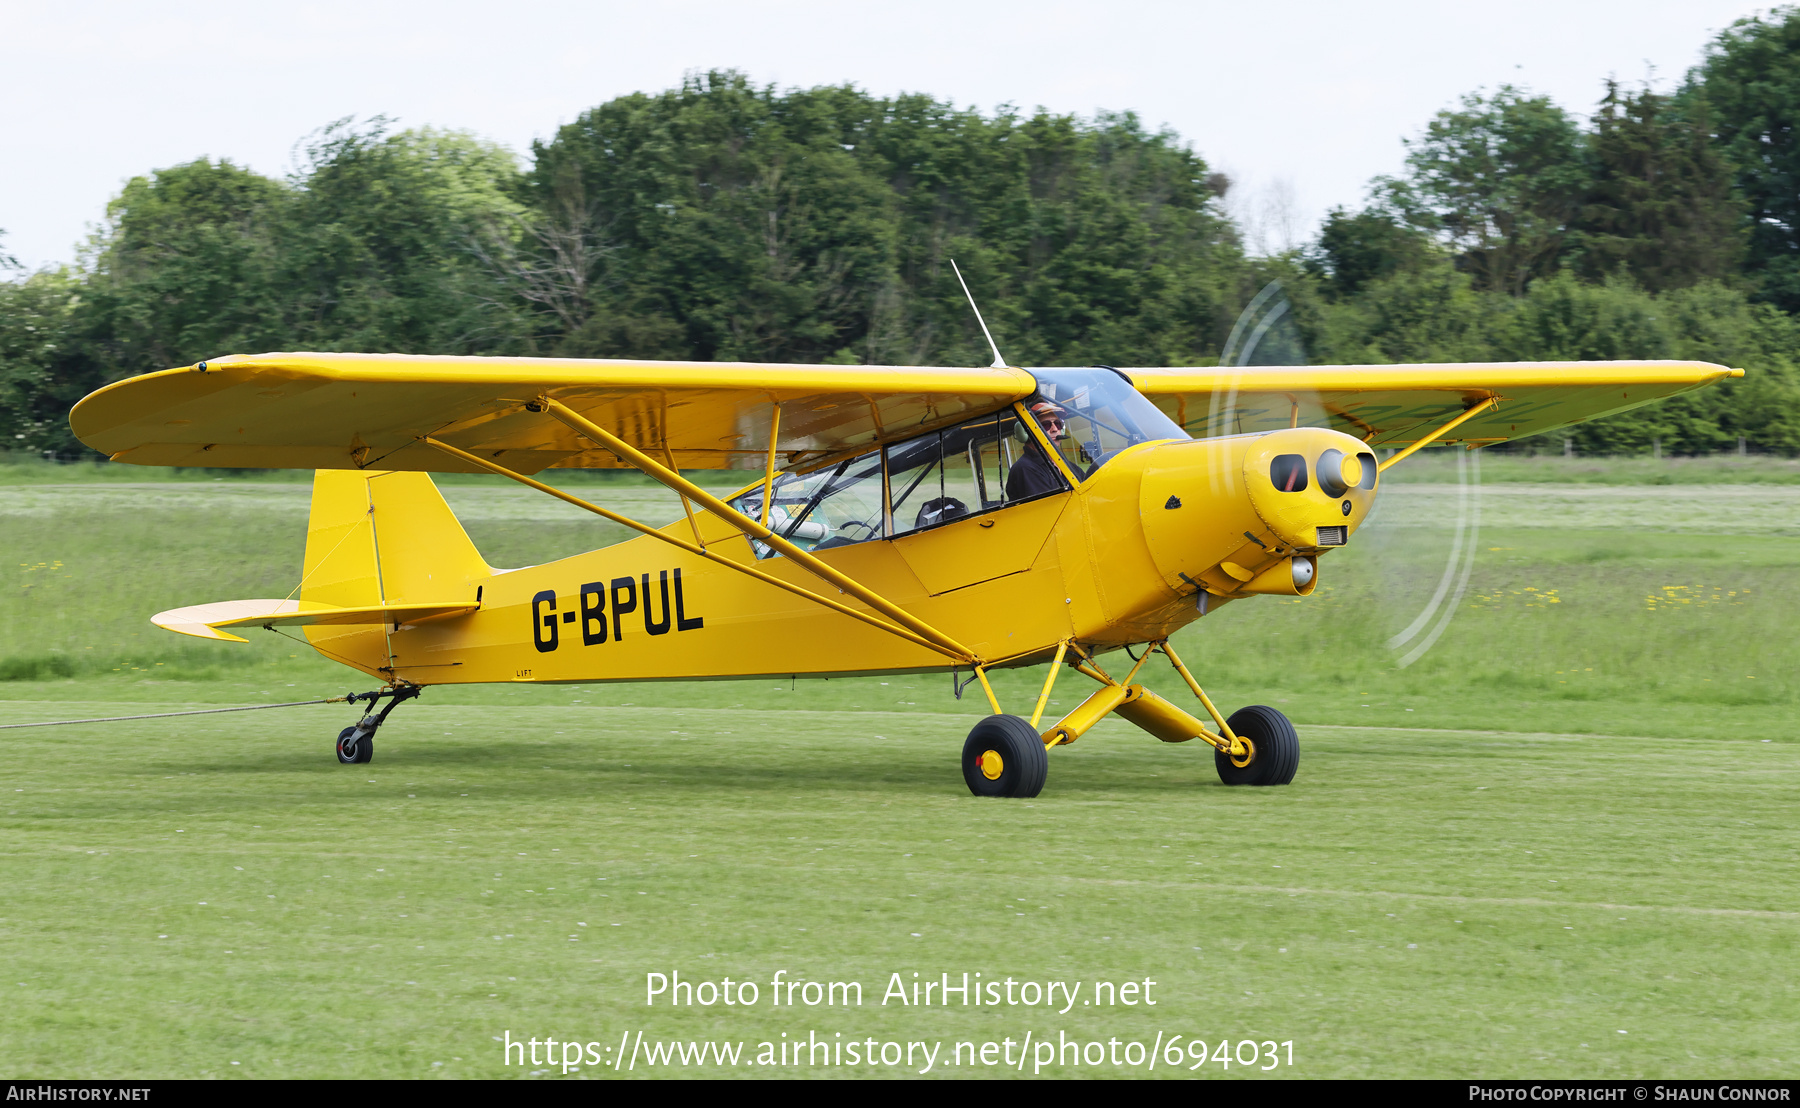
{"x": 1033, "y": 475}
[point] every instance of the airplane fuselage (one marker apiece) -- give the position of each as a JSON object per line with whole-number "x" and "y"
{"x": 1160, "y": 534}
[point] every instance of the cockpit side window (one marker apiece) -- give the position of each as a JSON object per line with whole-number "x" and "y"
{"x": 1090, "y": 415}
{"x": 974, "y": 467}
{"x": 835, "y": 506}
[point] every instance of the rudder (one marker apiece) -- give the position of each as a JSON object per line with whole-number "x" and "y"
{"x": 382, "y": 537}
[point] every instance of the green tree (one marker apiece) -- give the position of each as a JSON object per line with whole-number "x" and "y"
{"x": 1355, "y": 248}
{"x": 1122, "y": 255}
{"x": 712, "y": 221}
{"x": 375, "y": 244}
{"x": 1750, "y": 78}
{"x": 185, "y": 269}
{"x": 372, "y": 245}
{"x": 40, "y": 378}
{"x": 722, "y": 220}
{"x": 1499, "y": 181}
{"x": 1661, "y": 205}
{"x": 1428, "y": 313}
{"x": 379, "y": 250}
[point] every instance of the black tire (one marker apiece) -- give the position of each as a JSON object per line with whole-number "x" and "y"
{"x": 362, "y": 752}
{"x": 1276, "y": 753}
{"x": 1023, "y": 762}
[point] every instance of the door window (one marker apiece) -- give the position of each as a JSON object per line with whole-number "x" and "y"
{"x": 975, "y": 467}
{"x": 972, "y": 468}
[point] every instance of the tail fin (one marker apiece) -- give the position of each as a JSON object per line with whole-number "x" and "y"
{"x": 382, "y": 537}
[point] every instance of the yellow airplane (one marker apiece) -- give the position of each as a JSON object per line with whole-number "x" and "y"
{"x": 904, "y": 520}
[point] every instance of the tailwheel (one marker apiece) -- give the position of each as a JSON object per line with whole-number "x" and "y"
{"x": 1274, "y": 752}
{"x": 355, "y": 746}
{"x": 1003, "y": 756}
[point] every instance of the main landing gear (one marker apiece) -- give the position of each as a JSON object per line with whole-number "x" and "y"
{"x": 1274, "y": 748}
{"x": 1006, "y": 755}
{"x": 1003, "y": 756}
{"x": 356, "y": 744}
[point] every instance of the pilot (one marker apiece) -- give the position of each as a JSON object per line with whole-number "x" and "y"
{"x": 1033, "y": 474}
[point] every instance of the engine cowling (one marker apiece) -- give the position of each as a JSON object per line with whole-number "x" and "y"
{"x": 1252, "y": 513}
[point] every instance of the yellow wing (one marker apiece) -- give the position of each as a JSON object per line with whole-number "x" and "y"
{"x": 358, "y": 411}
{"x": 361, "y": 411}
{"x": 1393, "y": 405}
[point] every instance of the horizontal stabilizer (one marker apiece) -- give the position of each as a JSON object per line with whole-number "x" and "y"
{"x": 203, "y": 621}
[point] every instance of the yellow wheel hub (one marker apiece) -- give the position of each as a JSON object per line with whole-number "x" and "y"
{"x": 992, "y": 765}
{"x": 1248, "y": 756}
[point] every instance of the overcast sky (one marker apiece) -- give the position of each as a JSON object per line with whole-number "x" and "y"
{"x": 1301, "y": 102}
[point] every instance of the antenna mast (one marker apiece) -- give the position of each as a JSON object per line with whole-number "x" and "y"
{"x": 999, "y": 362}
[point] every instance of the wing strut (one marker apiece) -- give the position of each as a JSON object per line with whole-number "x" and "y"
{"x": 626, "y": 452}
{"x": 1474, "y": 409}
{"x": 769, "y": 476}
{"x": 693, "y": 548}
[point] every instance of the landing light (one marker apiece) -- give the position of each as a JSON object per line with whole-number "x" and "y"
{"x": 1289, "y": 577}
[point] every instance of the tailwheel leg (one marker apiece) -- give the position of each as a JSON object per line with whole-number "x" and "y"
{"x": 356, "y": 743}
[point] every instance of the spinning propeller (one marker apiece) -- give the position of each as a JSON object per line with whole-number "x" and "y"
{"x": 1267, "y": 334}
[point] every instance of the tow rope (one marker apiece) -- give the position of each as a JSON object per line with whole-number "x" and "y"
{"x": 166, "y": 715}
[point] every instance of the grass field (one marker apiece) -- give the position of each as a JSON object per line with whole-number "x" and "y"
{"x": 1561, "y": 843}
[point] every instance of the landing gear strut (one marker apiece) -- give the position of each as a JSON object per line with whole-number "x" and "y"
{"x": 356, "y": 744}
{"x": 1004, "y": 755}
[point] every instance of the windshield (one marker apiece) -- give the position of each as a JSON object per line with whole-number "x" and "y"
{"x": 1091, "y": 414}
